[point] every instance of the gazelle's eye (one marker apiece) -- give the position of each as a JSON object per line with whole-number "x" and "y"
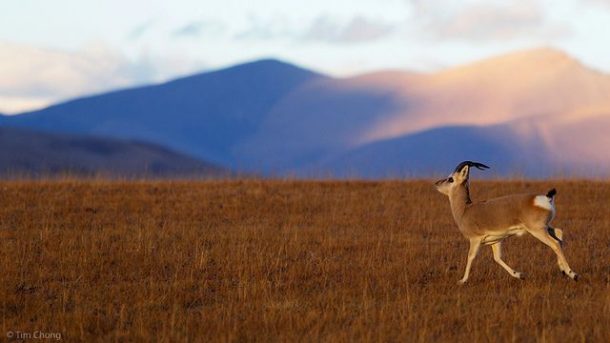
{"x": 450, "y": 179}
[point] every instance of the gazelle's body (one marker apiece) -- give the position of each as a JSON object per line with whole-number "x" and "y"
{"x": 499, "y": 218}
{"x": 491, "y": 221}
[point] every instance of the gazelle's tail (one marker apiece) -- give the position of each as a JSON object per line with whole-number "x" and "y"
{"x": 557, "y": 234}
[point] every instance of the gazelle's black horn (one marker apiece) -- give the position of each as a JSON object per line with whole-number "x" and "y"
{"x": 477, "y": 165}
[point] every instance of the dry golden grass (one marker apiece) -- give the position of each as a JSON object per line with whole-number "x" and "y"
{"x": 283, "y": 260}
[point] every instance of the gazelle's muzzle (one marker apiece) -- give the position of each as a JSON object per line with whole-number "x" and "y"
{"x": 440, "y": 182}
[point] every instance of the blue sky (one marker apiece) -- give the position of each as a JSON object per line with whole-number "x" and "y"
{"x": 55, "y": 50}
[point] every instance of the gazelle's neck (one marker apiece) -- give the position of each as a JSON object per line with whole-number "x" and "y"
{"x": 459, "y": 199}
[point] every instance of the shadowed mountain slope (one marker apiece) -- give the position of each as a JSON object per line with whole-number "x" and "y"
{"x": 28, "y": 153}
{"x": 203, "y": 115}
{"x": 433, "y": 152}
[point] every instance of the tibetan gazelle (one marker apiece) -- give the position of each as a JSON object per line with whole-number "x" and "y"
{"x": 491, "y": 221}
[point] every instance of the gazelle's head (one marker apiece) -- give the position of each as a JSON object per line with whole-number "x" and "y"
{"x": 458, "y": 177}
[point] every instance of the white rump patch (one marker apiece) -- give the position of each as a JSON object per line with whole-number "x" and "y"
{"x": 543, "y": 201}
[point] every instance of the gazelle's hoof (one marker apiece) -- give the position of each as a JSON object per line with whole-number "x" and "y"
{"x": 571, "y": 275}
{"x": 461, "y": 282}
{"x": 519, "y": 275}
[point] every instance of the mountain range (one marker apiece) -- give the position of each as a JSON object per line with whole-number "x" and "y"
{"x": 27, "y": 153}
{"x": 536, "y": 113}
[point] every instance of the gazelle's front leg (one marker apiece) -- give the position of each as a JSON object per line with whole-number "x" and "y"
{"x": 497, "y": 250}
{"x": 475, "y": 244}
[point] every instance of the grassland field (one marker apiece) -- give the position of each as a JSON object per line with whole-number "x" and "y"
{"x": 252, "y": 260}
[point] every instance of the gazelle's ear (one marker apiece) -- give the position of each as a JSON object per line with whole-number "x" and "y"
{"x": 463, "y": 173}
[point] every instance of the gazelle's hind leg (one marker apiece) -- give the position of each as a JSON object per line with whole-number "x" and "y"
{"x": 497, "y": 250}
{"x": 475, "y": 244}
{"x": 544, "y": 236}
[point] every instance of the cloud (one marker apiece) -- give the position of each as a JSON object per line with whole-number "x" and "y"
{"x": 323, "y": 28}
{"x": 266, "y": 28}
{"x": 483, "y": 20}
{"x": 357, "y": 30}
{"x": 190, "y": 29}
{"x": 34, "y": 77}
{"x": 45, "y": 72}
{"x": 196, "y": 28}
{"x": 17, "y": 104}
{"x": 140, "y": 30}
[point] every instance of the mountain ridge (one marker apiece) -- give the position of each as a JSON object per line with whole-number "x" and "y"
{"x": 28, "y": 153}
{"x": 275, "y": 118}
{"x": 195, "y": 114}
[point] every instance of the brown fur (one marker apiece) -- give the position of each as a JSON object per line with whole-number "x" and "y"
{"x": 494, "y": 215}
